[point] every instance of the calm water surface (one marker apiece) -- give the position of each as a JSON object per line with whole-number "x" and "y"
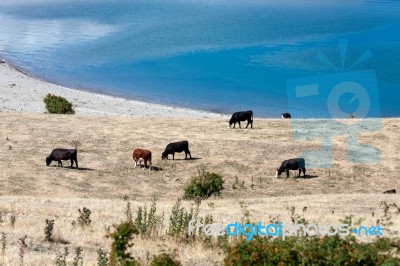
{"x": 222, "y": 56}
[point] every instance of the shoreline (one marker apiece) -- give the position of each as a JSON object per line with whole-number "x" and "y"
{"x": 22, "y": 92}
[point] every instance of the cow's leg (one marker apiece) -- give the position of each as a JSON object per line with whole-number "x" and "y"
{"x": 251, "y": 123}
{"x": 304, "y": 172}
{"x": 173, "y": 156}
{"x": 239, "y": 125}
{"x": 287, "y": 173}
{"x": 190, "y": 154}
{"x": 135, "y": 162}
{"x": 76, "y": 163}
{"x": 72, "y": 162}
{"x": 248, "y": 122}
{"x": 145, "y": 164}
{"x": 60, "y": 163}
{"x": 150, "y": 166}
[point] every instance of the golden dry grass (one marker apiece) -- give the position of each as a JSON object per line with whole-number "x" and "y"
{"x": 32, "y": 192}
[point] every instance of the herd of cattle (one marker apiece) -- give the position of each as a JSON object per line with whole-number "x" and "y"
{"x": 140, "y": 155}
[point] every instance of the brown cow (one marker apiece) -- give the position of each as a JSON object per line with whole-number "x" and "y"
{"x": 142, "y": 154}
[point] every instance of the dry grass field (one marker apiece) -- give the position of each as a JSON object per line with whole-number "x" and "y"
{"x": 246, "y": 158}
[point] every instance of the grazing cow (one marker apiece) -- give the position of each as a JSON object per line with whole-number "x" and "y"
{"x": 286, "y": 115}
{"x": 63, "y": 154}
{"x": 241, "y": 116}
{"x": 292, "y": 164}
{"x": 176, "y": 147}
{"x": 141, "y": 154}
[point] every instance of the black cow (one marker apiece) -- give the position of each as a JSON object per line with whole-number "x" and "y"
{"x": 241, "y": 116}
{"x": 63, "y": 154}
{"x": 176, "y": 147}
{"x": 286, "y": 115}
{"x": 292, "y": 164}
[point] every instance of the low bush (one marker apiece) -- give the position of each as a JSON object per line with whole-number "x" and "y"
{"x": 122, "y": 240}
{"x": 102, "y": 259}
{"x": 179, "y": 220}
{"x": 148, "y": 222}
{"x": 164, "y": 260}
{"x": 329, "y": 250}
{"x": 58, "y": 105}
{"x": 204, "y": 185}
{"x": 83, "y": 218}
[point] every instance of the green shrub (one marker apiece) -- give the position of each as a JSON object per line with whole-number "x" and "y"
{"x": 147, "y": 222}
{"x": 58, "y": 105}
{"x": 122, "y": 237}
{"x": 164, "y": 260}
{"x": 179, "y": 220}
{"x": 329, "y": 250}
{"x": 204, "y": 185}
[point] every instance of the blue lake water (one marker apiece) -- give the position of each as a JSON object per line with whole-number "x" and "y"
{"x": 221, "y": 55}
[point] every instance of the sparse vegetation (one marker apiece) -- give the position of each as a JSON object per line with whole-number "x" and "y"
{"x": 48, "y": 230}
{"x": 238, "y": 184}
{"x": 83, "y": 218}
{"x": 22, "y": 247}
{"x": 58, "y": 105}
{"x": 386, "y": 219}
{"x": 61, "y": 258}
{"x": 76, "y": 143}
{"x": 204, "y": 185}
{"x": 12, "y": 221}
{"x": 297, "y": 218}
{"x": 128, "y": 212}
{"x": 102, "y": 259}
{"x": 3, "y": 245}
{"x": 78, "y": 260}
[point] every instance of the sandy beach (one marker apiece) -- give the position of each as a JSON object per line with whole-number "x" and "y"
{"x": 23, "y": 93}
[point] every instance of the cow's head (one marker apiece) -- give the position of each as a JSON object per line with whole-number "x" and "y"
{"x": 48, "y": 161}
{"x": 229, "y": 123}
{"x": 277, "y": 173}
{"x": 164, "y": 155}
